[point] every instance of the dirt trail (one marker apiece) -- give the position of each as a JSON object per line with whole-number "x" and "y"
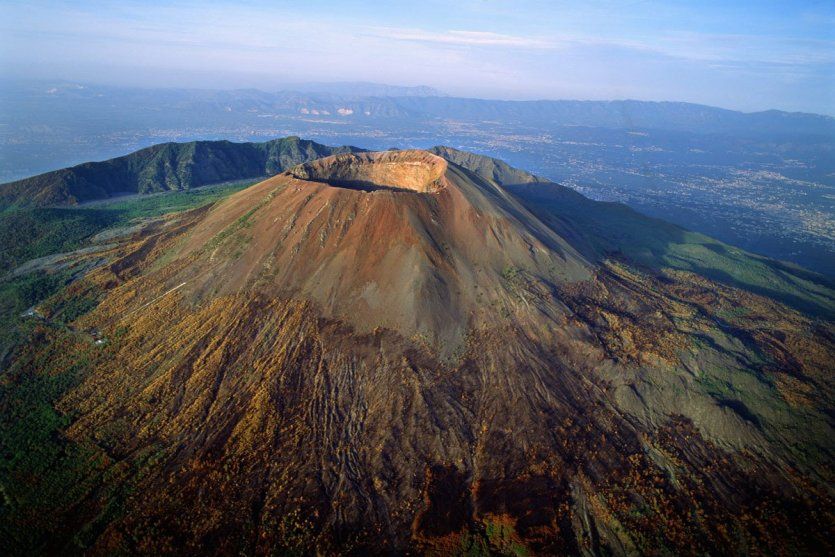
{"x": 161, "y": 296}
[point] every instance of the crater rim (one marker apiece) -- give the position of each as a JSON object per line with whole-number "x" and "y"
{"x": 408, "y": 171}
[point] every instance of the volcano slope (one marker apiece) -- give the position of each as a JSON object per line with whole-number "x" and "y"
{"x": 394, "y": 353}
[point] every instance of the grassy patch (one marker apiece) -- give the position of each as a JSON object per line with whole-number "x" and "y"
{"x": 502, "y": 536}
{"x": 30, "y": 233}
{"x": 241, "y": 223}
{"x": 473, "y": 546}
{"x": 19, "y": 294}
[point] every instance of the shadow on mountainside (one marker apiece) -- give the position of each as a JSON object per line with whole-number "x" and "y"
{"x": 604, "y": 229}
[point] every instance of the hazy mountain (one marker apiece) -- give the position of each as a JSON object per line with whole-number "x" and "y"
{"x": 626, "y": 114}
{"x": 399, "y": 352}
{"x": 365, "y": 89}
{"x": 363, "y": 100}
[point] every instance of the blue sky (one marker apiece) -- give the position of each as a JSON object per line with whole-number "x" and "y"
{"x": 747, "y": 55}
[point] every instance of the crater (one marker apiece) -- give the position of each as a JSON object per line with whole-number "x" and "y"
{"x": 403, "y": 171}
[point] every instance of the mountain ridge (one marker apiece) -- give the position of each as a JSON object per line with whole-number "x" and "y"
{"x": 613, "y": 114}
{"x": 163, "y": 167}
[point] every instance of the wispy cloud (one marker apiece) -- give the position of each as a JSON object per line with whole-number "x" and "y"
{"x": 462, "y": 38}
{"x": 726, "y": 47}
{"x": 706, "y": 47}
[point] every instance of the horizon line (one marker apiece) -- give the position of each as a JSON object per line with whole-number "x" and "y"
{"x": 440, "y": 94}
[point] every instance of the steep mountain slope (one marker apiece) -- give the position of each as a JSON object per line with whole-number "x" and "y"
{"x": 168, "y": 166}
{"x": 391, "y": 353}
{"x": 487, "y": 168}
{"x": 607, "y": 229}
{"x": 601, "y": 230}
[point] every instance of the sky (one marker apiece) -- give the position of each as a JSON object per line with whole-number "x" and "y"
{"x": 744, "y": 55}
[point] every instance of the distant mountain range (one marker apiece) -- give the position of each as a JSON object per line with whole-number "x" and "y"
{"x": 362, "y": 101}
{"x": 365, "y": 89}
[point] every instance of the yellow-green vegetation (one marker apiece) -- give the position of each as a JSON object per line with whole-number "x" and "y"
{"x": 242, "y": 222}
{"x": 472, "y": 545}
{"x": 41, "y": 470}
{"x": 503, "y": 538}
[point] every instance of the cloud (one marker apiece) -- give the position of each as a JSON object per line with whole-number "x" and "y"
{"x": 462, "y": 38}
{"x": 717, "y": 47}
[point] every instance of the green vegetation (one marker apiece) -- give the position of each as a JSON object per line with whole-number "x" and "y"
{"x": 172, "y": 202}
{"x": 41, "y": 471}
{"x": 511, "y": 274}
{"x": 491, "y": 538}
{"x": 19, "y": 294}
{"x": 44, "y": 475}
{"x": 472, "y": 545}
{"x": 485, "y": 167}
{"x": 503, "y": 538}
{"x": 163, "y": 167}
{"x": 603, "y": 230}
{"x": 31, "y": 233}
{"x": 27, "y": 234}
{"x": 240, "y": 223}
{"x": 77, "y": 306}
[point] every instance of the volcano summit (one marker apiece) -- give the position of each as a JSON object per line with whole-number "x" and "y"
{"x": 431, "y": 352}
{"x": 399, "y": 240}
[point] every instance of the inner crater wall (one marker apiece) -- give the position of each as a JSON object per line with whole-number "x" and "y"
{"x": 415, "y": 171}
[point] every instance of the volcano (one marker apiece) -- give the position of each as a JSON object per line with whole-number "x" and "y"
{"x": 430, "y": 352}
{"x": 397, "y": 240}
